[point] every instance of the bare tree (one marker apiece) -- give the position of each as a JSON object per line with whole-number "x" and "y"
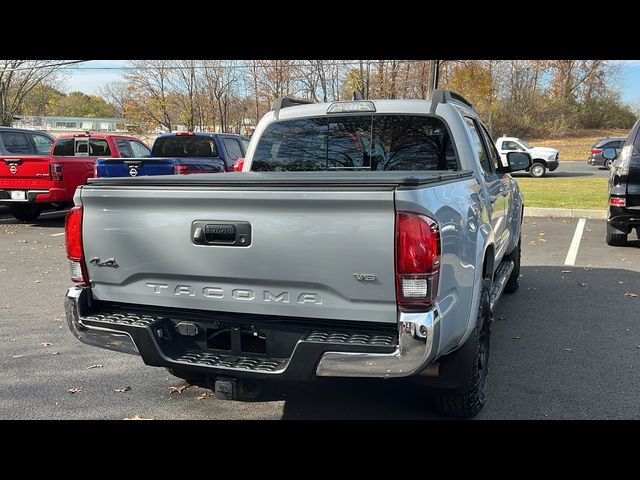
{"x": 151, "y": 80}
{"x": 17, "y": 79}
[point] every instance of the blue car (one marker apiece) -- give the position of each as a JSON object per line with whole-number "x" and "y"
{"x": 179, "y": 153}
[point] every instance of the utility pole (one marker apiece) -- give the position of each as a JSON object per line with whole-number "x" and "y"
{"x": 435, "y": 73}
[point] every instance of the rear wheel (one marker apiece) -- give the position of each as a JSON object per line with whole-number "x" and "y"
{"x": 616, "y": 239}
{"x": 27, "y": 212}
{"x": 514, "y": 279}
{"x": 538, "y": 170}
{"x": 467, "y": 401}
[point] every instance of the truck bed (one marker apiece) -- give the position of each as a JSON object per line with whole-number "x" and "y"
{"x": 255, "y": 179}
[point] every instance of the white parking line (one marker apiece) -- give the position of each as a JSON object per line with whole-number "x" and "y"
{"x": 575, "y": 243}
{"x": 56, "y": 234}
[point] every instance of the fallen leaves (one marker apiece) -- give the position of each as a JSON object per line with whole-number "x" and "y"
{"x": 203, "y": 396}
{"x": 12, "y": 339}
{"x": 178, "y": 389}
{"x": 630, "y": 294}
{"x": 97, "y": 365}
{"x": 74, "y": 390}
{"x": 55, "y": 353}
{"x": 122, "y": 390}
{"x": 136, "y": 417}
{"x": 46, "y": 344}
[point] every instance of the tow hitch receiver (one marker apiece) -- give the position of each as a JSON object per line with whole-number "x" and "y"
{"x": 226, "y": 388}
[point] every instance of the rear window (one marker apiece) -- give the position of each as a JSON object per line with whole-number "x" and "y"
{"x": 184, "y": 146}
{"x": 81, "y": 147}
{"x": 64, "y": 147}
{"x": 367, "y": 142}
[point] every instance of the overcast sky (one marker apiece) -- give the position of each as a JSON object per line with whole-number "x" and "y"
{"x": 88, "y": 77}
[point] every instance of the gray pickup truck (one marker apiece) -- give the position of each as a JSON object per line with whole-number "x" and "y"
{"x": 371, "y": 239}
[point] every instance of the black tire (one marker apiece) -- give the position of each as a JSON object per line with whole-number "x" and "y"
{"x": 469, "y": 399}
{"x": 537, "y": 170}
{"x": 27, "y": 212}
{"x": 608, "y": 163}
{"x": 189, "y": 377}
{"x": 514, "y": 279}
{"x": 616, "y": 239}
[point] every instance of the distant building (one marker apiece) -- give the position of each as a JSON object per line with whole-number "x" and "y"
{"x": 70, "y": 124}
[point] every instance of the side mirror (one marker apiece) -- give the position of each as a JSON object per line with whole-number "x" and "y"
{"x": 238, "y": 165}
{"x": 518, "y": 161}
{"x": 609, "y": 153}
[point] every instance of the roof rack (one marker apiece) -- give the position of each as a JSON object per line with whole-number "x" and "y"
{"x": 285, "y": 102}
{"x": 440, "y": 95}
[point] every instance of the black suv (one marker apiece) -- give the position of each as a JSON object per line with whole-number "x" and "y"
{"x": 624, "y": 189}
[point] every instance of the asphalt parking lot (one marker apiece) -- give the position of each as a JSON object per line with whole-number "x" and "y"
{"x": 565, "y": 346}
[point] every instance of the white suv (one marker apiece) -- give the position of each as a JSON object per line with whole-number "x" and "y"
{"x": 542, "y": 158}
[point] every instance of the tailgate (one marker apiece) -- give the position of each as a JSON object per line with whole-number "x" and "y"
{"x": 305, "y": 248}
{"x": 133, "y": 167}
{"x": 24, "y": 172}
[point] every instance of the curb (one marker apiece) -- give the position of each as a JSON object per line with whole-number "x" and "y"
{"x": 565, "y": 212}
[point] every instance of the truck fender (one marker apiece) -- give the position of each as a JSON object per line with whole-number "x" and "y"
{"x": 484, "y": 247}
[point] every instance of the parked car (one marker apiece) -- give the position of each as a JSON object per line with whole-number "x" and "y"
{"x": 30, "y": 182}
{"x": 179, "y": 153}
{"x": 596, "y": 157}
{"x": 19, "y": 141}
{"x": 624, "y": 189}
{"x": 543, "y": 158}
{"x": 374, "y": 242}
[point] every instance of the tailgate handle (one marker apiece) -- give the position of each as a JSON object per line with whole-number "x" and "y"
{"x": 13, "y": 161}
{"x": 212, "y": 232}
{"x": 133, "y": 164}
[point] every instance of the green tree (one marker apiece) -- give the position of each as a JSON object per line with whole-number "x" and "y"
{"x": 78, "y": 104}
{"x": 41, "y": 100}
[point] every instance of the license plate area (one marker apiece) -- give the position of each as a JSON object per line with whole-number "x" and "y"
{"x": 18, "y": 194}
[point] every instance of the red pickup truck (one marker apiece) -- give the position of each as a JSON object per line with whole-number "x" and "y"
{"x": 29, "y": 183}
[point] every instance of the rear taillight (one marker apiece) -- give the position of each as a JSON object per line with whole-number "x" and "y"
{"x": 180, "y": 169}
{"x": 238, "y": 165}
{"x": 596, "y": 151}
{"x": 417, "y": 259}
{"x": 618, "y": 201}
{"x": 95, "y": 170}
{"x": 55, "y": 171}
{"x": 73, "y": 240}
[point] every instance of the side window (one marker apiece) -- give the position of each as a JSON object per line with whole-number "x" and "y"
{"x": 510, "y": 146}
{"x": 42, "y": 143}
{"x": 479, "y": 145}
{"x": 16, "y": 143}
{"x": 615, "y": 144}
{"x": 233, "y": 148}
{"x": 493, "y": 152}
{"x": 245, "y": 145}
{"x": 123, "y": 148}
{"x": 64, "y": 148}
{"x": 138, "y": 149}
{"x": 98, "y": 147}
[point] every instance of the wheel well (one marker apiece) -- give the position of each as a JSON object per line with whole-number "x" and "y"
{"x": 488, "y": 263}
{"x": 539, "y": 160}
